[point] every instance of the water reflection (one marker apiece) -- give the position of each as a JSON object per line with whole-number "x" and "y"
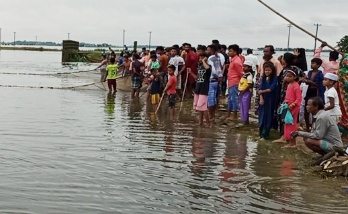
{"x": 110, "y": 105}
{"x": 84, "y": 151}
{"x": 202, "y": 152}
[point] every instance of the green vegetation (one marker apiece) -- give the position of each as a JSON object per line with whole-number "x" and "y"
{"x": 343, "y": 44}
{"x": 38, "y": 43}
{"x": 28, "y": 48}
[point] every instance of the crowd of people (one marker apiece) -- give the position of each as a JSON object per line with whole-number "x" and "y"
{"x": 287, "y": 96}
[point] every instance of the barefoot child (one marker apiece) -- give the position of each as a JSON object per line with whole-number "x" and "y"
{"x": 314, "y": 81}
{"x": 245, "y": 88}
{"x": 332, "y": 104}
{"x": 137, "y": 68}
{"x": 170, "y": 89}
{"x": 200, "y": 102}
{"x": 112, "y": 69}
{"x": 267, "y": 92}
{"x": 293, "y": 98}
{"x": 155, "y": 88}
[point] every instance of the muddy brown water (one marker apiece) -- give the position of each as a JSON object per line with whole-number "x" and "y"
{"x": 82, "y": 151}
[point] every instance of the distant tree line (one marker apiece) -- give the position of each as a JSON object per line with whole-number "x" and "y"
{"x": 39, "y": 43}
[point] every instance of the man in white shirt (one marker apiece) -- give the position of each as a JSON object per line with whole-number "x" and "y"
{"x": 179, "y": 64}
{"x": 250, "y": 57}
{"x": 217, "y": 62}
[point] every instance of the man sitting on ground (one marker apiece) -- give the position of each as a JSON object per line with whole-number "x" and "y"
{"x": 325, "y": 133}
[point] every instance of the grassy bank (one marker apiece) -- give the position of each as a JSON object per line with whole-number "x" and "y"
{"x": 28, "y": 48}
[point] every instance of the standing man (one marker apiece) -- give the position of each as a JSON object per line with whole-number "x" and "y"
{"x": 179, "y": 64}
{"x": 331, "y": 66}
{"x": 252, "y": 58}
{"x": 268, "y": 53}
{"x": 235, "y": 73}
{"x": 216, "y": 61}
{"x": 143, "y": 52}
{"x": 191, "y": 62}
{"x": 163, "y": 59}
{"x": 227, "y": 63}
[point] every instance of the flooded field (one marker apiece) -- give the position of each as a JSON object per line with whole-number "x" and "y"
{"x": 84, "y": 151}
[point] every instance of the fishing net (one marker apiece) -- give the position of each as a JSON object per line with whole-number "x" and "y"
{"x": 79, "y": 80}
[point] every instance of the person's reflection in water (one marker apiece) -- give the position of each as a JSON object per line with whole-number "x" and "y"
{"x": 234, "y": 159}
{"x": 135, "y": 109}
{"x": 203, "y": 166}
{"x": 287, "y": 168}
{"x": 201, "y": 150}
{"x": 151, "y": 116}
{"x": 235, "y": 154}
{"x": 168, "y": 140}
{"x": 110, "y": 105}
{"x": 287, "y": 189}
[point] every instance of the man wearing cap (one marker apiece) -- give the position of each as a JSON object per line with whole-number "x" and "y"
{"x": 332, "y": 103}
{"x": 325, "y": 133}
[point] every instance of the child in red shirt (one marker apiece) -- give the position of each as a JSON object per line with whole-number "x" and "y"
{"x": 170, "y": 89}
{"x": 293, "y": 98}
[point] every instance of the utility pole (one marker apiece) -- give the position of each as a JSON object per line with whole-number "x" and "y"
{"x": 14, "y": 38}
{"x": 123, "y": 38}
{"x": 289, "y": 26}
{"x": 150, "y": 40}
{"x": 36, "y": 40}
{"x": 316, "y": 35}
{"x": 0, "y": 38}
{"x": 68, "y": 36}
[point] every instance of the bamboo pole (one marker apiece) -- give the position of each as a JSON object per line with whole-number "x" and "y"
{"x": 187, "y": 74}
{"x": 159, "y": 105}
{"x": 294, "y": 24}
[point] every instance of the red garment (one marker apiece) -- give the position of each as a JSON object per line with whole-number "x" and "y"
{"x": 293, "y": 95}
{"x": 235, "y": 71}
{"x": 172, "y": 85}
{"x": 163, "y": 59}
{"x": 191, "y": 61}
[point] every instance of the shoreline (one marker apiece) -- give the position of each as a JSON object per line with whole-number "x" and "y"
{"x": 29, "y": 49}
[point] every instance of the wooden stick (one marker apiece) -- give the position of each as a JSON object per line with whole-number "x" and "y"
{"x": 187, "y": 74}
{"x": 294, "y": 24}
{"x": 159, "y": 105}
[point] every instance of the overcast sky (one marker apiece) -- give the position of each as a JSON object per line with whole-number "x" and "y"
{"x": 245, "y": 22}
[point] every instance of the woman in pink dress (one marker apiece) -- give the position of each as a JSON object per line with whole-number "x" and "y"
{"x": 293, "y": 98}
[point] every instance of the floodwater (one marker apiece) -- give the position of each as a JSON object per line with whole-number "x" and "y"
{"x": 84, "y": 151}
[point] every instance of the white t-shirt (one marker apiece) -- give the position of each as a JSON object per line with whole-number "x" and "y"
{"x": 252, "y": 58}
{"x": 176, "y": 61}
{"x": 336, "y": 111}
{"x": 216, "y": 63}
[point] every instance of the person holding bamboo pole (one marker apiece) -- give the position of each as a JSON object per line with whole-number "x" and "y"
{"x": 331, "y": 66}
{"x": 170, "y": 89}
{"x": 191, "y": 62}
